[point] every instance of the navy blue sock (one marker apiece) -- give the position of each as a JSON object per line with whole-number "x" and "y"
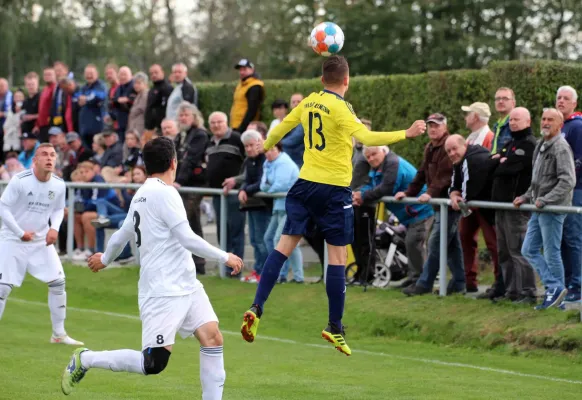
{"x": 269, "y": 276}
{"x": 335, "y": 286}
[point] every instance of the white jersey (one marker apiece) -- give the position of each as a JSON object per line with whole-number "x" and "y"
{"x": 32, "y": 203}
{"x": 167, "y": 268}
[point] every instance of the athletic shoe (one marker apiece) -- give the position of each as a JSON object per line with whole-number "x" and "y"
{"x": 253, "y": 277}
{"x": 336, "y": 338}
{"x": 65, "y": 340}
{"x": 415, "y": 290}
{"x": 552, "y": 298}
{"x": 573, "y": 296}
{"x": 250, "y": 323}
{"x": 80, "y": 255}
{"x": 125, "y": 261}
{"x": 73, "y": 373}
{"x": 101, "y": 222}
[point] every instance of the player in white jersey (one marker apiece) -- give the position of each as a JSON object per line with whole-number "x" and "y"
{"x": 171, "y": 299}
{"x": 27, "y": 243}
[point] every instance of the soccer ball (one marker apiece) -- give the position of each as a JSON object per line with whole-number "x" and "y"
{"x": 326, "y": 39}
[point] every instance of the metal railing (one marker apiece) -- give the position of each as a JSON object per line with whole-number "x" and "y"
{"x": 442, "y": 203}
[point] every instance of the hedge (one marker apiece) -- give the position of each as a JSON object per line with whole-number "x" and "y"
{"x": 393, "y": 102}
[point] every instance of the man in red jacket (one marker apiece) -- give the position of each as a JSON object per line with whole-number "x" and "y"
{"x": 44, "y": 105}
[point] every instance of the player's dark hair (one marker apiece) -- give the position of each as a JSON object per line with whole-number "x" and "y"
{"x": 334, "y": 70}
{"x": 158, "y": 155}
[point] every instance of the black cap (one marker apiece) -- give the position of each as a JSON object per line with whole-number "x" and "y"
{"x": 245, "y": 62}
{"x": 28, "y": 135}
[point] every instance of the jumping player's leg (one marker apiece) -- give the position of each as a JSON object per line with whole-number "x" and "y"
{"x": 269, "y": 276}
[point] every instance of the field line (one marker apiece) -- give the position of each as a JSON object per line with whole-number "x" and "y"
{"x": 366, "y": 352}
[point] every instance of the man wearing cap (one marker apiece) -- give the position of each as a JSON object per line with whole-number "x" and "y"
{"x": 80, "y": 152}
{"x": 248, "y": 97}
{"x": 29, "y": 145}
{"x": 477, "y": 120}
{"x": 113, "y": 156}
{"x": 435, "y": 171}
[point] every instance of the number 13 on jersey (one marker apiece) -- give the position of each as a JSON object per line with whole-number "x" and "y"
{"x": 315, "y": 117}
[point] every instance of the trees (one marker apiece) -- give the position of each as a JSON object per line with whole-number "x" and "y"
{"x": 382, "y": 36}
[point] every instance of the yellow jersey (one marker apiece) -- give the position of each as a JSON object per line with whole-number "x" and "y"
{"x": 329, "y": 122}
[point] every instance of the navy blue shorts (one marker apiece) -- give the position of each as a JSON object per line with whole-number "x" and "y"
{"x": 327, "y": 207}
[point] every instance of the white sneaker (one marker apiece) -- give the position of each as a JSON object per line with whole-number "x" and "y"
{"x": 65, "y": 340}
{"x": 101, "y": 222}
{"x": 79, "y": 255}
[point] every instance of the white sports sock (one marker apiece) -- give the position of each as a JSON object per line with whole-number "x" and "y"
{"x": 212, "y": 374}
{"x": 116, "y": 360}
{"x": 57, "y": 301}
{"x": 4, "y": 292}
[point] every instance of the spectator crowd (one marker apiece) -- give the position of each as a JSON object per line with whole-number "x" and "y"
{"x": 98, "y": 128}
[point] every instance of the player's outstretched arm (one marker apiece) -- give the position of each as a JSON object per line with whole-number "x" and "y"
{"x": 287, "y": 125}
{"x": 114, "y": 247}
{"x": 370, "y": 138}
{"x": 200, "y": 247}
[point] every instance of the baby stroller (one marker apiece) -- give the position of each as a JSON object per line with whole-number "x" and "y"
{"x": 391, "y": 261}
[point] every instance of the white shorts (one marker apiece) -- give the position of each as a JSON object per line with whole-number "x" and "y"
{"x": 38, "y": 259}
{"x": 163, "y": 317}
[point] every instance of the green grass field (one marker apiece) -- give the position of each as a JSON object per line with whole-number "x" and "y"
{"x": 420, "y": 348}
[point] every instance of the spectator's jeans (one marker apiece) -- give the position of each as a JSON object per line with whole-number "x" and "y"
{"x": 415, "y": 241}
{"x": 544, "y": 230}
{"x": 235, "y": 227}
{"x": 258, "y": 224}
{"x": 272, "y": 236}
{"x": 106, "y": 208}
{"x": 518, "y": 275}
{"x": 469, "y": 233}
{"x": 116, "y": 222}
{"x": 572, "y": 245}
{"x": 454, "y": 254}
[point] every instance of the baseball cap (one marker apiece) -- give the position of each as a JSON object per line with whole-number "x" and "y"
{"x": 28, "y": 135}
{"x": 55, "y": 130}
{"x": 72, "y": 136}
{"x": 245, "y": 62}
{"x": 437, "y": 118}
{"x": 481, "y": 109}
{"x": 107, "y": 133}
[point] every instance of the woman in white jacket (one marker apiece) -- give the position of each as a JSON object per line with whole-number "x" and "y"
{"x": 12, "y": 124}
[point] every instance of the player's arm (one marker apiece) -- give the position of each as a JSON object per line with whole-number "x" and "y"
{"x": 174, "y": 216}
{"x": 117, "y": 242}
{"x": 287, "y": 125}
{"x": 58, "y": 214}
{"x": 9, "y": 199}
{"x": 196, "y": 245}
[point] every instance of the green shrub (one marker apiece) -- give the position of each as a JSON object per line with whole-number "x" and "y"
{"x": 394, "y": 102}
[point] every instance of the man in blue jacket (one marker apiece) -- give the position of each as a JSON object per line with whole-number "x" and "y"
{"x": 92, "y": 101}
{"x": 390, "y": 174}
{"x": 566, "y": 102}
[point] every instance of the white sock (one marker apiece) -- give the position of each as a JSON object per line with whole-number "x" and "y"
{"x": 57, "y": 301}
{"x": 4, "y": 292}
{"x": 117, "y": 360}
{"x": 212, "y": 374}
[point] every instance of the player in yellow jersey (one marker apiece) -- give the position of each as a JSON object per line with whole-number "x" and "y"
{"x": 321, "y": 196}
